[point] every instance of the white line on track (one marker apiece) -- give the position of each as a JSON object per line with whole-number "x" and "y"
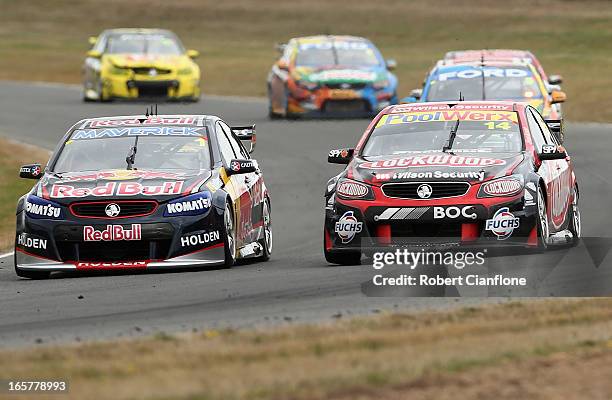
{"x": 72, "y": 86}
{"x": 6, "y": 255}
{"x": 59, "y": 85}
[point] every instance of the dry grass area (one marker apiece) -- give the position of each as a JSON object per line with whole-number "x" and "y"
{"x": 537, "y": 350}
{"x": 578, "y": 374}
{"x": 13, "y": 156}
{"x": 47, "y": 39}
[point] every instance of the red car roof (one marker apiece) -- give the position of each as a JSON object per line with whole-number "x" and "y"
{"x": 510, "y": 62}
{"x": 489, "y": 54}
{"x": 464, "y": 105}
{"x": 495, "y": 55}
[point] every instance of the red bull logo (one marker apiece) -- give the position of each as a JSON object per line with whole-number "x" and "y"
{"x": 112, "y": 233}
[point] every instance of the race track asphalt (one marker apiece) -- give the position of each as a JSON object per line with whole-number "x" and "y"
{"x": 296, "y": 285}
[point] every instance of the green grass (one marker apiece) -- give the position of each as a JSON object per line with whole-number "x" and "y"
{"x": 12, "y": 156}
{"x": 389, "y": 356}
{"x": 46, "y": 39}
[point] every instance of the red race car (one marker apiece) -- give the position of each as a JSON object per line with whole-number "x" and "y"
{"x": 455, "y": 173}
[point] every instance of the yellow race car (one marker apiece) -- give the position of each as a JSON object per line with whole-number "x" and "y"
{"x": 140, "y": 64}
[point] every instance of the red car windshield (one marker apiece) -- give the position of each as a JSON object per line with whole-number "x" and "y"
{"x": 477, "y": 131}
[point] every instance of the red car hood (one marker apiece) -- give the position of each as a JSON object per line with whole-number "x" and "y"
{"x": 434, "y": 166}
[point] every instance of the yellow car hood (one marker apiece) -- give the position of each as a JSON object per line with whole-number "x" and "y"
{"x": 149, "y": 61}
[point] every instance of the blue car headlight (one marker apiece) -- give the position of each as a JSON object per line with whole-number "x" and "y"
{"x": 194, "y": 204}
{"x": 39, "y": 208}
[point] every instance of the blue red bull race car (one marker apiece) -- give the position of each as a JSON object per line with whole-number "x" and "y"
{"x": 144, "y": 192}
{"x": 456, "y": 173}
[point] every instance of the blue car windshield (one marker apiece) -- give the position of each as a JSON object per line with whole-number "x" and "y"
{"x": 342, "y": 53}
{"x": 516, "y": 83}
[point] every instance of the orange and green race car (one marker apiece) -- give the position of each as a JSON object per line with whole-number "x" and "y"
{"x": 140, "y": 63}
{"x": 330, "y": 75}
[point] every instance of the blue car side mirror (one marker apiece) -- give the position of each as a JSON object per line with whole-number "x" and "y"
{"x": 409, "y": 99}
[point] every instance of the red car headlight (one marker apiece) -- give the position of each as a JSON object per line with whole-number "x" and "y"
{"x": 506, "y": 186}
{"x": 350, "y": 189}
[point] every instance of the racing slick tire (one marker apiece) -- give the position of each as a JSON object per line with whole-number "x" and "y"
{"x": 36, "y": 275}
{"x": 229, "y": 236}
{"x": 343, "y": 258}
{"x": 575, "y": 224}
{"x": 87, "y": 99}
{"x": 285, "y": 114}
{"x": 347, "y": 257}
{"x": 267, "y": 241}
{"x": 543, "y": 227}
{"x": 271, "y": 113}
{"x": 101, "y": 97}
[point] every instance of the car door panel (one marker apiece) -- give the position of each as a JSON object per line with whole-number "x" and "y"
{"x": 234, "y": 184}
{"x": 559, "y": 192}
{"x": 547, "y": 169}
{"x": 249, "y": 188}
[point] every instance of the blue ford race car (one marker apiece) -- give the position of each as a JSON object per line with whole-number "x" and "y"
{"x": 491, "y": 80}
